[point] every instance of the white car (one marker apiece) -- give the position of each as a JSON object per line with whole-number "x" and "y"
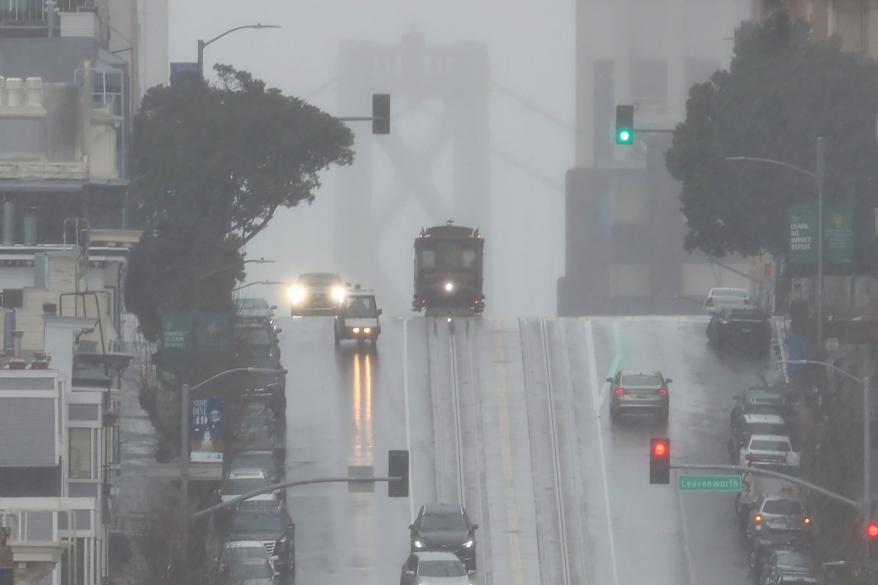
{"x": 242, "y": 481}
{"x": 768, "y": 450}
{"x": 721, "y": 297}
{"x": 433, "y": 568}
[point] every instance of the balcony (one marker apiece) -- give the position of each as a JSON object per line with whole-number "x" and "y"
{"x": 33, "y": 13}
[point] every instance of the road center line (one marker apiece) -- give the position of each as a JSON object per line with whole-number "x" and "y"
{"x": 408, "y": 421}
{"x": 506, "y": 458}
{"x": 596, "y": 403}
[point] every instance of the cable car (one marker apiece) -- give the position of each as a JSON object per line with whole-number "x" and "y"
{"x": 448, "y": 270}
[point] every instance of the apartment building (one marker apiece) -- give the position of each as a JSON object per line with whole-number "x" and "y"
{"x": 624, "y": 232}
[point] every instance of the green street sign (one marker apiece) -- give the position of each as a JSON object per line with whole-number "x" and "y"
{"x": 709, "y": 483}
{"x": 174, "y": 341}
{"x": 838, "y": 234}
{"x": 214, "y": 331}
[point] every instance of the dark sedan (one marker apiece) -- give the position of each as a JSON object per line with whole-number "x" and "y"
{"x": 748, "y": 330}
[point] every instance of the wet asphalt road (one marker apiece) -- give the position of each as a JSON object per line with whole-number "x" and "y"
{"x": 475, "y": 403}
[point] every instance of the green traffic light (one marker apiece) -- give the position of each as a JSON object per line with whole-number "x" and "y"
{"x": 624, "y": 136}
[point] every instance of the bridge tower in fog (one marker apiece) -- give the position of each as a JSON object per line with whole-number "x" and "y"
{"x": 433, "y": 166}
{"x": 624, "y": 232}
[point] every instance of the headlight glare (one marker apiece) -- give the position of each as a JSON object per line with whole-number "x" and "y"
{"x": 367, "y": 330}
{"x": 468, "y": 543}
{"x": 449, "y": 286}
{"x": 338, "y": 293}
{"x": 296, "y": 294}
{"x": 356, "y": 329}
{"x": 419, "y": 544}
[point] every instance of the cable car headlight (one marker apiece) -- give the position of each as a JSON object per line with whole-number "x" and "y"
{"x": 296, "y": 294}
{"x": 449, "y": 286}
{"x": 338, "y": 293}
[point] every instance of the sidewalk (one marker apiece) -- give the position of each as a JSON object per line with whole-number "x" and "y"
{"x": 138, "y": 438}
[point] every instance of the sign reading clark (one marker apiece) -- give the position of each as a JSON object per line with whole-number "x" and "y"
{"x": 838, "y": 234}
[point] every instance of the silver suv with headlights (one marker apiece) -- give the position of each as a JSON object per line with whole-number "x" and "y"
{"x": 316, "y": 293}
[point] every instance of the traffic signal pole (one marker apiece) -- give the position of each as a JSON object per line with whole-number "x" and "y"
{"x": 288, "y": 484}
{"x": 853, "y": 504}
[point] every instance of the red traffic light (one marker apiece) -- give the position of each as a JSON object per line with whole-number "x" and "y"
{"x": 660, "y": 461}
{"x": 872, "y": 530}
{"x": 660, "y": 448}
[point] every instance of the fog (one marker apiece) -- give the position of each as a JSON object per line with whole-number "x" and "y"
{"x": 530, "y": 48}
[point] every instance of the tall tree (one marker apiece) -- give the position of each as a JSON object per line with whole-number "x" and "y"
{"x": 781, "y": 91}
{"x": 211, "y": 165}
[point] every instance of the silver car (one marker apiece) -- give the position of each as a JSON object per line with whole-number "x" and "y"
{"x": 433, "y": 568}
{"x": 641, "y": 392}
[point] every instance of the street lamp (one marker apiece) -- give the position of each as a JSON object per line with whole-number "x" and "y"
{"x": 202, "y": 44}
{"x": 255, "y": 282}
{"x": 818, "y": 177}
{"x": 867, "y": 431}
{"x": 185, "y": 393}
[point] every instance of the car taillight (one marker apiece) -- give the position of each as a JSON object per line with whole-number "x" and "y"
{"x": 757, "y": 518}
{"x": 806, "y": 520}
{"x": 662, "y": 391}
{"x": 748, "y": 457}
{"x": 746, "y": 301}
{"x": 708, "y": 302}
{"x": 620, "y": 391}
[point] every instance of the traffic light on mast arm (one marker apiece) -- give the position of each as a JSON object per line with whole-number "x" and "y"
{"x": 624, "y": 125}
{"x": 398, "y": 466}
{"x": 660, "y": 461}
{"x": 380, "y": 113}
{"x": 872, "y": 531}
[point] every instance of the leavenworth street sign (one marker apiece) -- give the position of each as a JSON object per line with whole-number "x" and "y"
{"x": 838, "y": 234}
{"x": 709, "y": 483}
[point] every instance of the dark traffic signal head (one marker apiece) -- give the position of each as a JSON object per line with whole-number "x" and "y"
{"x": 398, "y": 466}
{"x": 660, "y": 461}
{"x": 624, "y": 124}
{"x": 380, "y": 113}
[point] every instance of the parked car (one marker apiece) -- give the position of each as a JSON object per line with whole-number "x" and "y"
{"x": 274, "y": 529}
{"x": 745, "y": 425}
{"x": 780, "y": 513}
{"x": 245, "y": 481}
{"x": 254, "y": 310}
{"x": 262, "y": 460}
{"x": 769, "y": 451}
{"x": 719, "y": 298}
{"x": 744, "y": 329}
{"x": 248, "y": 572}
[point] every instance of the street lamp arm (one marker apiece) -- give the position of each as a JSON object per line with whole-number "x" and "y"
{"x": 237, "y": 28}
{"x": 771, "y": 161}
{"x": 234, "y": 371}
{"x": 249, "y": 284}
{"x": 827, "y": 365}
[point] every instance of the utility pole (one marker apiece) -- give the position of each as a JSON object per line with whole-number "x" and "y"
{"x": 184, "y": 480}
{"x": 867, "y": 459}
{"x": 818, "y": 295}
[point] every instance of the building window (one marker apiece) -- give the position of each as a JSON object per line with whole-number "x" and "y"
{"x": 80, "y": 456}
{"x": 649, "y": 79}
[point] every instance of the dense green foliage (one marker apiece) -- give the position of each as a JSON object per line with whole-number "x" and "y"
{"x": 781, "y": 92}
{"x": 210, "y": 167}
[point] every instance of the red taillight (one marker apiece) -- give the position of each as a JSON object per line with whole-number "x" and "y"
{"x": 662, "y": 391}
{"x": 746, "y": 301}
{"x": 748, "y": 457}
{"x": 620, "y": 391}
{"x": 757, "y": 518}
